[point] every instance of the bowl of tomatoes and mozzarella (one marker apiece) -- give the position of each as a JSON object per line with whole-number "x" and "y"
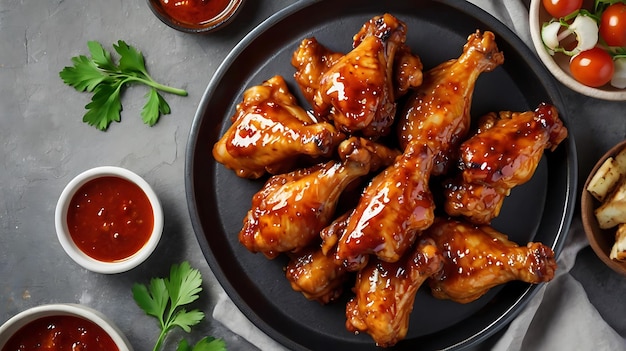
{"x": 583, "y": 44}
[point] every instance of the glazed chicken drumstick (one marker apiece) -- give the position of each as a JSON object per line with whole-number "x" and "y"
{"x": 385, "y": 292}
{"x": 395, "y": 206}
{"x": 316, "y": 275}
{"x": 291, "y": 209}
{"x": 503, "y": 154}
{"x": 270, "y": 131}
{"x": 477, "y": 259}
{"x": 438, "y": 112}
{"x": 312, "y": 60}
{"x": 357, "y": 91}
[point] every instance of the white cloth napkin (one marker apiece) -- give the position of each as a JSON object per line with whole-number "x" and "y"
{"x": 227, "y": 313}
{"x": 546, "y": 322}
{"x": 560, "y": 316}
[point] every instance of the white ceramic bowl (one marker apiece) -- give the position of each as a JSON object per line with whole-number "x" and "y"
{"x": 74, "y": 251}
{"x": 11, "y": 326}
{"x": 558, "y": 64}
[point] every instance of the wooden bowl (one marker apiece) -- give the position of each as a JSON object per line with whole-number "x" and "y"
{"x": 601, "y": 240}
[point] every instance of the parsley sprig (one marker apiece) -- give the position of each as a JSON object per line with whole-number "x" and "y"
{"x": 106, "y": 79}
{"x": 164, "y": 298}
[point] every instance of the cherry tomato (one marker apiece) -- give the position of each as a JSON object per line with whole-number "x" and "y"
{"x": 561, "y": 8}
{"x": 613, "y": 25}
{"x": 592, "y": 67}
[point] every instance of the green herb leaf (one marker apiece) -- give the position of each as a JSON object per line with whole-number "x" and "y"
{"x": 184, "y": 284}
{"x": 100, "y": 75}
{"x": 101, "y": 57}
{"x": 105, "y": 106}
{"x": 131, "y": 60}
{"x": 601, "y": 5}
{"x": 154, "y": 107}
{"x": 164, "y": 299}
{"x": 185, "y": 320}
{"x": 183, "y": 345}
{"x": 84, "y": 75}
{"x": 153, "y": 301}
{"x": 206, "y": 344}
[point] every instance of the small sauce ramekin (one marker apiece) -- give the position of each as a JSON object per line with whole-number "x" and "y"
{"x": 85, "y": 259}
{"x": 196, "y": 16}
{"x": 22, "y": 319}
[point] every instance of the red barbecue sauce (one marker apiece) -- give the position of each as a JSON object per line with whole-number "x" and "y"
{"x": 110, "y": 218}
{"x": 194, "y": 11}
{"x": 60, "y": 333}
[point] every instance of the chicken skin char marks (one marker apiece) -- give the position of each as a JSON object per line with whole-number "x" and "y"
{"x": 438, "y": 112}
{"x": 504, "y": 153}
{"x": 358, "y": 90}
{"x": 478, "y": 258}
{"x": 270, "y": 131}
{"x": 385, "y": 293}
{"x": 291, "y": 209}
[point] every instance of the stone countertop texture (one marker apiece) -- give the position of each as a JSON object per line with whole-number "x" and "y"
{"x": 45, "y": 144}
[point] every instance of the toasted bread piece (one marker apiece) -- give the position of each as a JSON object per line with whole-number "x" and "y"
{"x": 613, "y": 211}
{"x": 618, "y": 251}
{"x": 605, "y": 179}
{"x": 620, "y": 159}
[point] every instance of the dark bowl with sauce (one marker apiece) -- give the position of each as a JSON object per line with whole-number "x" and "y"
{"x": 108, "y": 219}
{"x": 195, "y": 16}
{"x": 61, "y": 327}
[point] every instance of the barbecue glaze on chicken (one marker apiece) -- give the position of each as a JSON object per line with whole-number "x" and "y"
{"x": 503, "y": 154}
{"x": 438, "y": 112}
{"x": 291, "y": 209}
{"x": 478, "y": 258}
{"x": 358, "y": 90}
{"x": 384, "y": 293}
{"x": 270, "y": 131}
{"x": 316, "y": 275}
{"x": 391, "y": 211}
{"x": 387, "y": 237}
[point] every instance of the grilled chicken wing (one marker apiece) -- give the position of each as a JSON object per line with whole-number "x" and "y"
{"x": 380, "y": 154}
{"x": 477, "y": 259}
{"x": 438, "y": 112}
{"x": 332, "y": 233}
{"x": 408, "y": 72}
{"x": 311, "y": 61}
{"x": 392, "y": 210}
{"x": 318, "y": 276}
{"x": 503, "y": 154}
{"x": 357, "y": 92}
{"x": 291, "y": 209}
{"x": 270, "y": 131}
{"x": 385, "y": 292}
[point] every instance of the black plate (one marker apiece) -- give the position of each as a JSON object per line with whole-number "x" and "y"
{"x": 540, "y": 210}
